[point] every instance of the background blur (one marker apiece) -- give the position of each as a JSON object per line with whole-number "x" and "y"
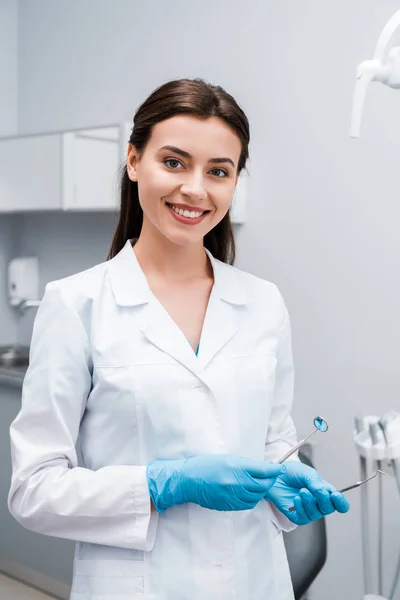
{"x": 323, "y": 210}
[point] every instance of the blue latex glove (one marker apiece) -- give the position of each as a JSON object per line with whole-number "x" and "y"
{"x": 215, "y": 481}
{"x": 302, "y": 487}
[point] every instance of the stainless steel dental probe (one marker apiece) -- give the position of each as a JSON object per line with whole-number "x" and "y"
{"x": 358, "y": 483}
{"x": 352, "y": 487}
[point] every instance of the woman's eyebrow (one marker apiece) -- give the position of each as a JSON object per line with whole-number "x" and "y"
{"x": 187, "y": 155}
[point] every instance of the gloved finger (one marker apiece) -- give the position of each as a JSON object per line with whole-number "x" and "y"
{"x": 228, "y": 504}
{"x": 324, "y": 500}
{"x": 311, "y": 478}
{"x": 316, "y": 483}
{"x": 267, "y": 483}
{"x": 251, "y": 502}
{"x": 310, "y": 505}
{"x": 299, "y": 516}
{"x": 258, "y": 486}
{"x": 243, "y": 504}
{"x": 262, "y": 469}
{"x": 340, "y": 502}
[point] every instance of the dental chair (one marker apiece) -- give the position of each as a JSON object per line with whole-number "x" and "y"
{"x": 306, "y": 548}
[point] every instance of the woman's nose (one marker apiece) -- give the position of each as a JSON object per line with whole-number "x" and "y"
{"x": 194, "y": 186}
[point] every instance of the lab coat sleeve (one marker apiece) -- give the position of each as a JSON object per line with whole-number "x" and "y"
{"x": 281, "y": 433}
{"x": 49, "y": 493}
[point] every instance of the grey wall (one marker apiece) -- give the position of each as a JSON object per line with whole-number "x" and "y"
{"x": 8, "y": 126}
{"x": 8, "y": 244}
{"x": 323, "y": 216}
{"x": 8, "y": 66}
{"x": 64, "y": 244}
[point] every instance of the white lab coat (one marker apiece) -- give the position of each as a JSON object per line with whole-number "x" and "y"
{"x": 109, "y": 364}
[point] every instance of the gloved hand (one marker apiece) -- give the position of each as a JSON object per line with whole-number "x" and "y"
{"x": 215, "y": 481}
{"x": 302, "y": 487}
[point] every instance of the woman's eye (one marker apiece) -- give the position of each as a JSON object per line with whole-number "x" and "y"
{"x": 174, "y": 160}
{"x": 171, "y": 160}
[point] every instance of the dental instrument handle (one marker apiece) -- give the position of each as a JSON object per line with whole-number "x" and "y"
{"x": 365, "y": 528}
{"x": 380, "y": 532}
{"x": 346, "y": 489}
{"x": 296, "y": 447}
{"x": 378, "y": 437}
{"x": 396, "y": 579}
{"x": 390, "y": 423}
{"x": 351, "y": 487}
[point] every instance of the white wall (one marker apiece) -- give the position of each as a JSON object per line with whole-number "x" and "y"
{"x": 324, "y": 216}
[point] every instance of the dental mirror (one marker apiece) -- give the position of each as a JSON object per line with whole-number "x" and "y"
{"x": 320, "y": 424}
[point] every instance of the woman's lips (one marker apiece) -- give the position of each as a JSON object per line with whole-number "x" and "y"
{"x": 186, "y": 220}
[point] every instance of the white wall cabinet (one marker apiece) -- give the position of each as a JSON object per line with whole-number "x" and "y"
{"x": 30, "y": 173}
{"x": 75, "y": 170}
{"x": 91, "y": 162}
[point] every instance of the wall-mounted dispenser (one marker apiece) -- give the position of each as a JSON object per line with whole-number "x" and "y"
{"x": 23, "y": 282}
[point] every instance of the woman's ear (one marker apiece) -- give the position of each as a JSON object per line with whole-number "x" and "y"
{"x": 131, "y": 162}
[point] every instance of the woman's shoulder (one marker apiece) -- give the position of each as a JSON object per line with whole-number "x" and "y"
{"x": 80, "y": 289}
{"x": 253, "y": 284}
{"x": 261, "y": 295}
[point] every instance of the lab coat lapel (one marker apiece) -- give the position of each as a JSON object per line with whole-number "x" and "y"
{"x": 219, "y": 326}
{"x": 162, "y": 331}
{"x": 131, "y": 288}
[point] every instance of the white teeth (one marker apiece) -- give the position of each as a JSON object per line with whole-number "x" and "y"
{"x": 186, "y": 213}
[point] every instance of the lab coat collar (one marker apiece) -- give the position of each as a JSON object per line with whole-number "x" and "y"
{"x": 130, "y": 285}
{"x": 131, "y": 288}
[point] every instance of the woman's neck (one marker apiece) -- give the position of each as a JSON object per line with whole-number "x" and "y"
{"x": 172, "y": 263}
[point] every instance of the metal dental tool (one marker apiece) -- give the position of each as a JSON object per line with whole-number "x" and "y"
{"x": 356, "y": 485}
{"x": 352, "y": 487}
{"x": 320, "y": 424}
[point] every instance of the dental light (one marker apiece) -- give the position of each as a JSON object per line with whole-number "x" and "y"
{"x": 384, "y": 67}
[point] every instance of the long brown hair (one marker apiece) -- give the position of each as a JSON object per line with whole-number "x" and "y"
{"x": 182, "y": 96}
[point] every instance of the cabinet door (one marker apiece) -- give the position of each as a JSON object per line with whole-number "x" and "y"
{"x": 91, "y": 161}
{"x": 30, "y": 173}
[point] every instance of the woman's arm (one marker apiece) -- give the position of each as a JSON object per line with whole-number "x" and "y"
{"x": 281, "y": 433}
{"x": 49, "y": 493}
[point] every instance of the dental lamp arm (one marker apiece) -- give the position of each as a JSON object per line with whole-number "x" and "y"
{"x": 377, "y": 69}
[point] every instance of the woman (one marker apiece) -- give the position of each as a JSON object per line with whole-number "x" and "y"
{"x": 175, "y": 370}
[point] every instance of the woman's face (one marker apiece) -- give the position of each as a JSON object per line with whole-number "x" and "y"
{"x": 167, "y": 177}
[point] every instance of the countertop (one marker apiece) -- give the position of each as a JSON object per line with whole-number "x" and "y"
{"x": 12, "y": 376}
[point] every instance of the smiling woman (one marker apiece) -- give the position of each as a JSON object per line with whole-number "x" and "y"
{"x": 200, "y": 193}
{"x": 169, "y": 164}
{"x": 175, "y": 370}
